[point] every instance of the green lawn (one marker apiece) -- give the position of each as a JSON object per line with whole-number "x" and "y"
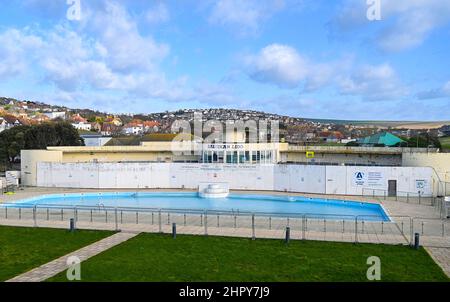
{"x": 154, "y": 257}
{"x": 445, "y": 142}
{"x": 22, "y": 249}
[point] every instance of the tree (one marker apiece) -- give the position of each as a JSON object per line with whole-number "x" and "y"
{"x": 424, "y": 140}
{"x": 36, "y": 137}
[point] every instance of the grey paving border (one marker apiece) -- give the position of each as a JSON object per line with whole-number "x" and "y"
{"x": 54, "y": 267}
{"x": 440, "y": 255}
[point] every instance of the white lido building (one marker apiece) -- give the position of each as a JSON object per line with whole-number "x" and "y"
{"x": 244, "y": 166}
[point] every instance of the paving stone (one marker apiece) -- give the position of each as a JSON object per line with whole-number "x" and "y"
{"x": 54, "y": 267}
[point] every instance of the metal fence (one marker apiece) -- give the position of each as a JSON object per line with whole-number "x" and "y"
{"x": 409, "y": 197}
{"x": 399, "y": 230}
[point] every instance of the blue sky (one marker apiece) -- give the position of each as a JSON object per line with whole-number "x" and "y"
{"x": 306, "y": 58}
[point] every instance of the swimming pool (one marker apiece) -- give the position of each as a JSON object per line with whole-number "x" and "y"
{"x": 262, "y": 204}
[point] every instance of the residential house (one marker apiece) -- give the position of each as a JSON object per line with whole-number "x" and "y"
{"x": 96, "y": 126}
{"x": 133, "y": 128}
{"x": 56, "y": 114}
{"x": 151, "y": 126}
{"x": 331, "y": 136}
{"x": 9, "y": 121}
{"x": 109, "y": 129}
{"x": 82, "y": 126}
{"x": 114, "y": 120}
{"x": 77, "y": 118}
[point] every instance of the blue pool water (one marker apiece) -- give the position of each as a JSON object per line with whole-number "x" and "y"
{"x": 282, "y": 205}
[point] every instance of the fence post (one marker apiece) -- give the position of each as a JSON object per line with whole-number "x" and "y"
{"x": 116, "y": 221}
{"x": 253, "y": 227}
{"x": 34, "y": 216}
{"x": 270, "y": 223}
{"x": 20, "y": 213}
{"x": 159, "y": 221}
{"x": 218, "y": 219}
{"x": 303, "y": 227}
{"x": 411, "y": 229}
{"x": 6, "y": 213}
{"x": 206, "y": 223}
{"x": 137, "y": 217}
{"x": 419, "y": 196}
{"x": 174, "y": 230}
{"x": 48, "y": 214}
{"x": 416, "y": 241}
{"x": 288, "y": 235}
{"x": 356, "y": 229}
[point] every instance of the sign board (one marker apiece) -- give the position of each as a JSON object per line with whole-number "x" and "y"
{"x": 359, "y": 178}
{"x": 221, "y": 147}
{"x": 421, "y": 186}
{"x": 369, "y": 179}
{"x": 309, "y": 154}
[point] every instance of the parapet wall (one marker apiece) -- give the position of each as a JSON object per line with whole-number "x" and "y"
{"x": 344, "y": 180}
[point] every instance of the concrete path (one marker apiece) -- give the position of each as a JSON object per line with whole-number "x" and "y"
{"x": 54, "y": 267}
{"x": 441, "y": 255}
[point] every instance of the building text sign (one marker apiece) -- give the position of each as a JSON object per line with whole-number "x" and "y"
{"x": 221, "y": 147}
{"x": 369, "y": 179}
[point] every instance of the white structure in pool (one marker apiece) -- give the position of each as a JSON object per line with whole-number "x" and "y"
{"x": 213, "y": 190}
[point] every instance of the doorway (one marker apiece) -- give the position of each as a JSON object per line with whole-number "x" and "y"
{"x": 392, "y": 187}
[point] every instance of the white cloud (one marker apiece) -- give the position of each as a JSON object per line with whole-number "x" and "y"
{"x": 158, "y": 14}
{"x": 278, "y": 64}
{"x": 405, "y": 24}
{"x": 441, "y": 92}
{"x": 103, "y": 57}
{"x": 373, "y": 83}
{"x": 285, "y": 67}
{"x": 16, "y": 47}
{"x": 244, "y": 17}
{"x": 126, "y": 47}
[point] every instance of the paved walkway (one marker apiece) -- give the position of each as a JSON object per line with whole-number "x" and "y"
{"x": 53, "y": 268}
{"x": 441, "y": 255}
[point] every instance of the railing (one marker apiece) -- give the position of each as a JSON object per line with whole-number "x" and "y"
{"x": 346, "y": 228}
{"x": 409, "y": 197}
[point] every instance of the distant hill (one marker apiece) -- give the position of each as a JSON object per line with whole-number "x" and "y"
{"x": 230, "y": 114}
{"x": 385, "y": 124}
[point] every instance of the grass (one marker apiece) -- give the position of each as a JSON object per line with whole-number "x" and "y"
{"x": 22, "y": 249}
{"x": 155, "y": 257}
{"x": 445, "y": 143}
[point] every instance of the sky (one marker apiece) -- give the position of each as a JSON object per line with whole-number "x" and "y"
{"x": 344, "y": 59}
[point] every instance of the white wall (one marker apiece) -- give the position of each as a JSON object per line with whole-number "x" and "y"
{"x": 440, "y": 162}
{"x": 340, "y": 180}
